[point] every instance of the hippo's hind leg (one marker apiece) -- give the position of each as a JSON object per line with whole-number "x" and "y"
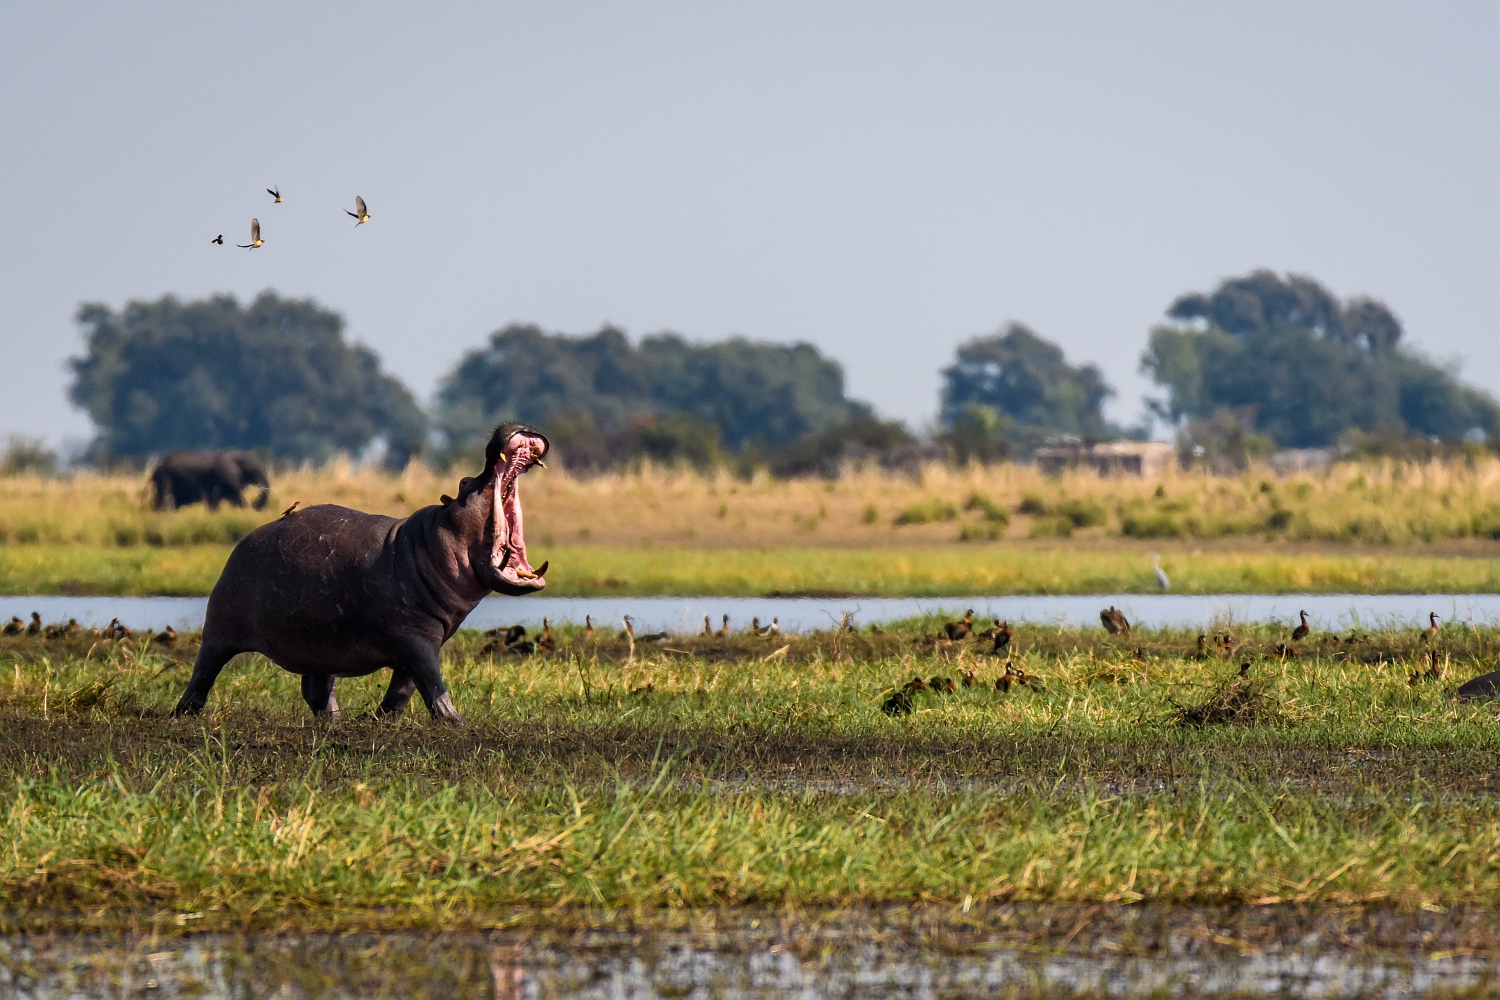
{"x": 420, "y": 662}
{"x": 317, "y": 691}
{"x": 211, "y": 660}
{"x": 398, "y": 694}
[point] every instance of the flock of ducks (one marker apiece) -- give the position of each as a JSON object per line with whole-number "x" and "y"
{"x": 34, "y": 629}
{"x": 360, "y": 215}
{"x": 513, "y": 639}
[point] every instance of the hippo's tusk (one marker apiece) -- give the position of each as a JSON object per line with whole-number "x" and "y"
{"x": 539, "y": 462}
{"x": 502, "y": 459}
{"x": 504, "y": 562}
{"x": 542, "y": 569}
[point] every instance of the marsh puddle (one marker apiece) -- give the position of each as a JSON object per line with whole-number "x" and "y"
{"x": 1094, "y": 951}
{"x": 805, "y": 614}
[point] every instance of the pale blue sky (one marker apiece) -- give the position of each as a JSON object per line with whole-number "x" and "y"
{"x": 881, "y": 180}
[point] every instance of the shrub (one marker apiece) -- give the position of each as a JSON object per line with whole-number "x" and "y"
{"x": 1033, "y": 505}
{"x": 1083, "y": 513}
{"x": 927, "y": 512}
{"x": 992, "y": 511}
{"x": 979, "y": 532}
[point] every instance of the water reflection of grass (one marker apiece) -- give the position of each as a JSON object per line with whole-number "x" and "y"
{"x": 1017, "y": 568}
{"x": 752, "y": 771}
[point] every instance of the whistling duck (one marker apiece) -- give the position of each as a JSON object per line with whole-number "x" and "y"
{"x": 1013, "y": 675}
{"x": 1202, "y": 645}
{"x": 14, "y": 627}
{"x": 1431, "y": 631}
{"x": 756, "y": 628}
{"x": 545, "y": 641}
{"x": 915, "y": 684}
{"x": 724, "y": 627}
{"x": 1114, "y": 621}
{"x": 1300, "y": 632}
{"x": 957, "y": 630}
{"x": 942, "y": 685}
{"x": 588, "y": 626}
{"x": 648, "y": 637}
{"x": 708, "y": 629}
{"x": 1002, "y": 638}
{"x": 60, "y": 631}
{"x": 899, "y": 703}
{"x": 165, "y": 637}
{"x": 967, "y": 678}
{"x": 34, "y": 627}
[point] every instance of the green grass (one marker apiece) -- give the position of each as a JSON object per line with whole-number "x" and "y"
{"x": 744, "y": 772}
{"x": 891, "y": 572}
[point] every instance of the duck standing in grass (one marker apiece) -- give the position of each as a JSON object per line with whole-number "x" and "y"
{"x": 1114, "y": 622}
{"x": 961, "y": 628}
{"x": 1002, "y": 639}
{"x": 1430, "y": 633}
{"x": 1300, "y": 632}
{"x": 15, "y": 626}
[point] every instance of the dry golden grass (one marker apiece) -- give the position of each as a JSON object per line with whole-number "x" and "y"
{"x": 1368, "y": 504}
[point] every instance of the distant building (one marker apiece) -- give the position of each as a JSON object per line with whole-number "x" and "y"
{"x": 1147, "y": 459}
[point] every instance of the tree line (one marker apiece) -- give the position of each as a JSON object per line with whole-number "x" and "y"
{"x": 1262, "y": 361}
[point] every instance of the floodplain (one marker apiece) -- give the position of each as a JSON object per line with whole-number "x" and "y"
{"x": 606, "y": 780}
{"x": 1374, "y": 527}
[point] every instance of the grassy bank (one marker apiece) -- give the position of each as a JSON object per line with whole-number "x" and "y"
{"x": 995, "y": 568}
{"x": 749, "y": 772}
{"x": 1373, "y": 505}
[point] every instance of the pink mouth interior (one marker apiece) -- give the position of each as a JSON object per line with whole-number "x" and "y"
{"x": 508, "y": 555}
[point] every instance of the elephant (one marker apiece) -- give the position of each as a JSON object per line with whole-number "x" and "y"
{"x": 213, "y": 477}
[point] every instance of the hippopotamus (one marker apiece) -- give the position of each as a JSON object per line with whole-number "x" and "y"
{"x": 328, "y": 592}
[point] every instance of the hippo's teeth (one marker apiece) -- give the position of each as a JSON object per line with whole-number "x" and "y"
{"x": 542, "y": 569}
{"x": 538, "y": 462}
{"x": 504, "y": 562}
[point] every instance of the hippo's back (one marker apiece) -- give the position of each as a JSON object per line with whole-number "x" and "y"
{"x": 321, "y": 577}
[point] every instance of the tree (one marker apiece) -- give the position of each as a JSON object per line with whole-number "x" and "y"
{"x": 589, "y": 390}
{"x": 1304, "y": 368}
{"x": 1020, "y": 376}
{"x": 277, "y": 375}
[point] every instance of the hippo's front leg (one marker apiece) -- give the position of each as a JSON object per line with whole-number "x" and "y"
{"x": 398, "y": 694}
{"x": 421, "y": 664}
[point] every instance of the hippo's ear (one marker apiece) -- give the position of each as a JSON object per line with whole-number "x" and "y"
{"x": 445, "y": 499}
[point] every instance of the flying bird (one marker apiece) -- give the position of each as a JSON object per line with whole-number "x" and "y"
{"x": 275, "y": 192}
{"x": 1162, "y": 580}
{"x": 255, "y": 239}
{"x": 361, "y": 215}
{"x": 218, "y": 239}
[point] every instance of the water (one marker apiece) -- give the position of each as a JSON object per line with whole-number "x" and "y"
{"x": 685, "y": 614}
{"x": 1179, "y": 952}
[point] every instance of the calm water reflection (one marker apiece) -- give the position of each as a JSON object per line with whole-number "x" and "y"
{"x": 680, "y": 614}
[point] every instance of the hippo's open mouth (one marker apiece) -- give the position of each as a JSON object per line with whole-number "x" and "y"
{"x": 508, "y": 554}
